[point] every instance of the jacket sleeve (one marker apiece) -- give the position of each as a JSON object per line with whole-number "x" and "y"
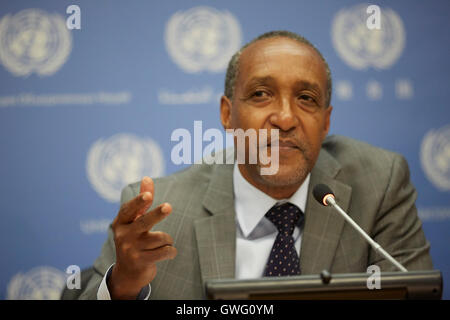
{"x": 398, "y": 228}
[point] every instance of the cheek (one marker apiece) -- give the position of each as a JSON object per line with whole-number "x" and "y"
{"x": 313, "y": 130}
{"x": 247, "y": 117}
{"x": 239, "y": 120}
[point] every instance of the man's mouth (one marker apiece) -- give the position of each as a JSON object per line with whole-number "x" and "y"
{"x": 286, "y": 145}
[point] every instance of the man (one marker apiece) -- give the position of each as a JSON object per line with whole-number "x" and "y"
{"x": 220, "y": 221}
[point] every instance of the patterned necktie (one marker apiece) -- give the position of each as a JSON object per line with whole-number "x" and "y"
{"x": 283, "y": 259}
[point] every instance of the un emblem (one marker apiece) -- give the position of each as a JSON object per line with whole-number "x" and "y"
{"x": 435, "y": 157}
{"x": 120, "y": 160}
{"x": 40, "y": 283}
{"x": 202, "y": 38}
{"x": 34, "y": 41}
{"x": 361, "y": 47}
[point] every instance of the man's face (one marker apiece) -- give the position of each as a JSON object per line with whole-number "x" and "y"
{"x": 281, "y": 84}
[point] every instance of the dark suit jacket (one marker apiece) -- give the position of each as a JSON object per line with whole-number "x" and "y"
{"x": 371, "y": 184}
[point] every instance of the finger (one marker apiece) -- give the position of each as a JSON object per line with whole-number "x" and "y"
{"x": 147, "y": 185}
{"x": 135, "y": 207}
{"x": 150, "y": 219}
{"x": 160, "y": 254}
{"x": 153, "y": 240}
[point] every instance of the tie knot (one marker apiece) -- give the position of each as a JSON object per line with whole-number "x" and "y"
{"x": 285, "y": 217}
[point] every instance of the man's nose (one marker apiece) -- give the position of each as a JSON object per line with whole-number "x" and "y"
{"x": 284, "y": 117}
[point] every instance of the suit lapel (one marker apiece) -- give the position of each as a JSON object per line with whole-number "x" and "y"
{"x": 216, "y": 234}
{"x": 323, "y": 226}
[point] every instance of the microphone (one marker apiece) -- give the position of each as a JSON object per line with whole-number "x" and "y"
{"x": 323, "y": 194}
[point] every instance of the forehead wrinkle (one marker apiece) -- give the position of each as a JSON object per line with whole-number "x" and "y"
{"x": 308, "y": 84}
{"x": 259, "y": 80}
{"x": 261, "y": 66}
{"x": 277, "y": 46}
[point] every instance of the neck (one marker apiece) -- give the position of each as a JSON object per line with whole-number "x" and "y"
{"x": 277, "y": 192}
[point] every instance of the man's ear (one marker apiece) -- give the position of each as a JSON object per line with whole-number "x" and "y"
{"x": 327, "y": 121}
{"x": 225, "y": 112}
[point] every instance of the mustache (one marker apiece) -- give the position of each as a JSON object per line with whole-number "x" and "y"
{"x": 285, "y": 140}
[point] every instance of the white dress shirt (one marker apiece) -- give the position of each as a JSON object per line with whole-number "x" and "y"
{"x": 255, "y": 234}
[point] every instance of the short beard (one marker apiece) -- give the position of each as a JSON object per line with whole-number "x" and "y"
{"x": 296, "y": 177}
{"x": 282, "y": 179}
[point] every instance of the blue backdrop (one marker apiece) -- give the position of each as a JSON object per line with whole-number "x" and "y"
{"x": 85, "y": 111}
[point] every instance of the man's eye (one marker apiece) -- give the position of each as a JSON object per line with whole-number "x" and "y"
{"x": 259, "y": 94}
{"x": 307, "y": 98}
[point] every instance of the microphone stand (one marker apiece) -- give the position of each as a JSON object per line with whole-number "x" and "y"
{"x": 330, "y": 200}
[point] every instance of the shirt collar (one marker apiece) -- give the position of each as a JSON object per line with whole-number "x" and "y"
{"x": 251, "y": 204}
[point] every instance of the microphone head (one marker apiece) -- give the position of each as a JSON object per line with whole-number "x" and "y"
{"x": 321, "y": 192}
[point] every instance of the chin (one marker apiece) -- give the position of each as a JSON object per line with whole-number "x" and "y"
{"x": 286, "y": 176}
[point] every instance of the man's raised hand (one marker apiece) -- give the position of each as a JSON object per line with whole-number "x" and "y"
{"x": 137, "y": 247}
